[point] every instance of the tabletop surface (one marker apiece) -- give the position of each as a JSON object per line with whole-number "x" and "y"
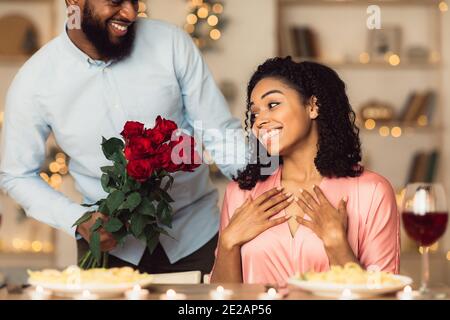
{"x": 239, "y": 292}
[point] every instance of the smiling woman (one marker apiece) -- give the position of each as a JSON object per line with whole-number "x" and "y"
{"x": 320, "y": 207}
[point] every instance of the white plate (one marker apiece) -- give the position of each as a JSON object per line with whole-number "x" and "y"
{"x": 335, "y": 290}
{"x": 102, "y": 290}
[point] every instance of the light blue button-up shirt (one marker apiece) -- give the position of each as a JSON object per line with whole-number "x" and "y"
{"x": 61, "y": 90}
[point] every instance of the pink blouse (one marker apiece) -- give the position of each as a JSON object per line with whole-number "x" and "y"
{"x": 373, "y": 230}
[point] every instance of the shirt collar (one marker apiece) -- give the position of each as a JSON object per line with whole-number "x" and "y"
{"x": 79, "y": 54}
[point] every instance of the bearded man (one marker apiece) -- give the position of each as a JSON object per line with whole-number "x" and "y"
{"x": 87, "y": 83}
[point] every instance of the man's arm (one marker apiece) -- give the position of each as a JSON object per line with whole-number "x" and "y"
{"x": 24, "y": 136}
{"x": 223, "y": 136}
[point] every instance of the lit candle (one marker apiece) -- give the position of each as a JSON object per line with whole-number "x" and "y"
{"x": 347, "y": 295}
{"x": 137, "y": 293}
{"x": 220, "y": 293}
{"x": 271, "y": 294}
{"x": 86, "y": 295}
{"x": 406, "y": 294}
{"x": 40, "y": 294}
{"x": 172, "y": 295}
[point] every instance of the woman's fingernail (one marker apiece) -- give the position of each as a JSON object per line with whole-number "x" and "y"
{"x": 279, "y": 188}
{"x": 288, "y": 194}
{"x": 296, "y": 198}
{"x": 301, "y": 190}
{"x": 290, "y": 199}
{"x": 345, "y": 198}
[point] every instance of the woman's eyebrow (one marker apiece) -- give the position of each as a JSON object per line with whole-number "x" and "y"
{"x": 270, "y": 92}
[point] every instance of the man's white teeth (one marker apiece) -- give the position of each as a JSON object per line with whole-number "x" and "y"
{"x": 119, "y": 27}
{"x": 269, "y": 134}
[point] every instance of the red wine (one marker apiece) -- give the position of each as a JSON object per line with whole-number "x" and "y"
{"x": 425, "y": 229}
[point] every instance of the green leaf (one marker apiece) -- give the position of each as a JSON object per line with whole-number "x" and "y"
{"x": 164, "y": 212}
{"x": 113, "y": 225}
{"x": 152, "y": 241}
{"x": 169, "y": 183}
{"x": 112, "y": 146}
{"x": 120, "y": 236}
{"x": 98, "y": 223}
{"x": 94, "y": 245}
{"x": 132, "y": 201}
{"x": 105, "y": 182}
{"x": 138, "y": 223}
{"x": 165, "y": 195}
{"x": 85, "y": 217}
{"x": 103, "y": 208}
{"x": 147, "y": 208}
{"x": 107, "y": 169}
{"x": 114, "y": 200}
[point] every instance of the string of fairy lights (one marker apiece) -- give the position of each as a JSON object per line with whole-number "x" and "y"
{"x": 204, "y": 22}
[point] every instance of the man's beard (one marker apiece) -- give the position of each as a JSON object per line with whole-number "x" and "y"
{"x": 98, "y": 35}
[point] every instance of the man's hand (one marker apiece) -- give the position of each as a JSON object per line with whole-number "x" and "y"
{"x": 107, "y": 241}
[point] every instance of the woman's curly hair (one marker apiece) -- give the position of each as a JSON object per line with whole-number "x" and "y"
{"x": 339, "y": 147}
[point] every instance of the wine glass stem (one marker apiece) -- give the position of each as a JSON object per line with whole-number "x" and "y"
{"x": 425, "y": 270}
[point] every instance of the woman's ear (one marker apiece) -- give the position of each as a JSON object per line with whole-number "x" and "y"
{"x": 313, "y": 108}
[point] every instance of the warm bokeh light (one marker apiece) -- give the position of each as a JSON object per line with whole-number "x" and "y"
{"x": 435, "y": 57}
{"x": 364, "y": 57}
{"x": 44, "y": 176}
{"x": 55, "y": 180}
{"x": 36, "y": 246}
{"x": 394, "y": 60}
{"x": 54, "y": 167}
{"x": 142, "y": 15}
{"x": 370, "y": 124}
{"x": 2, "y": 114}
{"x": 422, "y": 121}
{"x": 434, "y": 247}
{"x": 189, "y": 28}
{"x": 202, "y": 12}
{"x": 396, "y": 132}
{"x": 217, "y": 8}
{"x": 215, "y": 34}
{"x": 384, "y": 131}
{"x": 443, "y": 6}
{"x": 197, "y": 2}
{"x": 448, "y": 255}
{"x": 213, "y": 20}
{"x": 191, "y": 18}
{"x": 142, "y": 7}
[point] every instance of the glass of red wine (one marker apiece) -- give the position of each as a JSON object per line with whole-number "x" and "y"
{"x": 425, "y": 216}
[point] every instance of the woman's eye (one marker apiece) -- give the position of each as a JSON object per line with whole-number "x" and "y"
{"x": 116, "y": 2}
{"x": 273, "y": 104}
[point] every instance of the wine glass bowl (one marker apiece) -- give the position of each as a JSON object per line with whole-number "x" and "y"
{"x": 425, "y": 216}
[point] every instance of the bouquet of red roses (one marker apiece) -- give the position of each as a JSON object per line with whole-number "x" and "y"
{"x": 137, "y": 184}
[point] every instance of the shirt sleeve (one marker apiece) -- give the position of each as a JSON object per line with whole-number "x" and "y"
{"x": 23, "y": 144}
{"x": 206, "y": 109}
{"x": 380, "y": 245}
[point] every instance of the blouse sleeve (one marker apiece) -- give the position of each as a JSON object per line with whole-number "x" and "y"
{"x": 380, "y": 243}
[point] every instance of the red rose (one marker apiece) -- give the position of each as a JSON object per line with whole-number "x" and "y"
{"x": 138, "y": 148}
{"x": 140, "y": 170}
{"x": 156, "y": 136}
{"x": 184, "y": 154}
{"x": 166, "y": 127}
{"x": 132, "y": 129}
{"x": 164, "y": 153}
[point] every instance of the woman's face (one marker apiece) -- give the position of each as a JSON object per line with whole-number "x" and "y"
{"x": 282, "y": 121}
